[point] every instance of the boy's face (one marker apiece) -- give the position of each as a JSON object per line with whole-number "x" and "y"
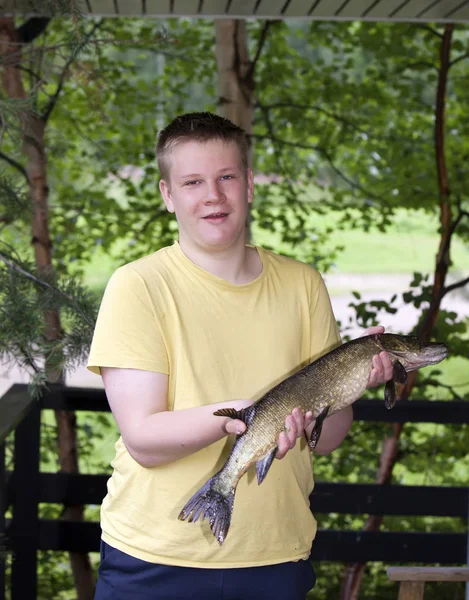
{"x": 209, "y": 191}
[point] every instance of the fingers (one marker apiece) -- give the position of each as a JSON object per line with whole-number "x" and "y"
{"x": 235, "y": 426}
{"x": 381, "y": 371}
{"x": 373, "y": 330}
{"x": 295, "y": 425}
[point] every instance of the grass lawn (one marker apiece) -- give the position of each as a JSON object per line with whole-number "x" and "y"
{"x": 409, "y": 245}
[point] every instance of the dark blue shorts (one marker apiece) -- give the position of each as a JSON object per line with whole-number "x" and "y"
{"x": 122, "y": 577}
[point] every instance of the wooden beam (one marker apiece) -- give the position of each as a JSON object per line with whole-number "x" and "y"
{"x": 373, "y": 499}
{"x": 383, "y": 9}
{"x": 390, "y": 546}
{"x": 343, "y": 498}
{"x": 24, "y": 532}
{"x": 411, "y": 590}
{"x": 412, "y": 411}
{"x": 428, "y": 573}
{"x": 341, "y": 546}
{"x": 440, "y": 10}
{"x": 14, "y": 405}
{"x": 3, "y": 508}
{"x": 270, "y": 8}
{"x": 243, "y": 8}
{"x": 186, "y": 7}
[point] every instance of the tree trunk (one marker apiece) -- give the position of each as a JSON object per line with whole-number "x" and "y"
{"x": 235, "y": 82}
{"x": 235, "y": 78}
{"x": 34, "y": 150}
{"x": 353, "y": 573}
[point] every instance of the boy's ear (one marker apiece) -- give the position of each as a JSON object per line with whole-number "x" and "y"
{"x": 166, "y": 193}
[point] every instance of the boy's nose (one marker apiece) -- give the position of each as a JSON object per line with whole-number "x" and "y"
{"x": 214, "y": 194}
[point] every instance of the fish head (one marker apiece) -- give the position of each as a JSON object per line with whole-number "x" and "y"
{"x": 411, "y": 352}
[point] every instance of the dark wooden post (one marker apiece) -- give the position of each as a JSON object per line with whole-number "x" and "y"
{"x": 24, "y": 533}
{"x": 3, "y": 507}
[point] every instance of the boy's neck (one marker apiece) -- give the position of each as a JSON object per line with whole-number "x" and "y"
{"x": 238, "y": 264}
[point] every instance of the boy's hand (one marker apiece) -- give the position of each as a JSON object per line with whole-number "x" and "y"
{"x": 295, "y": 425}
{"x": 382, "y": 365}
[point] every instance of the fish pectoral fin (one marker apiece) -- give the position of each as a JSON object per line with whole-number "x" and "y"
{"x": 399, "y": 374}
{"x": 263, "y": 465}
{"x": 316, "y": 433}
{"x": 390, "y": 394}
{"x": 232, "y": 413}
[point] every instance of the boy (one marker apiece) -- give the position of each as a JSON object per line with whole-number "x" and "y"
{"x": 209, "y": 322}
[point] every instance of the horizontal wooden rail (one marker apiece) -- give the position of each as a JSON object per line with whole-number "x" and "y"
{"x": 413, "y": 411}
{"x": 428, "y": 573}
{"x": 344, "y": 498}
{"x": 386, "y": 546}
{"x": 373, "y": 499}
{"x": 413, "y": 579}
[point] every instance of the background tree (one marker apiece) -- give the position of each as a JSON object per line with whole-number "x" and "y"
{"x": 349, "y": 133}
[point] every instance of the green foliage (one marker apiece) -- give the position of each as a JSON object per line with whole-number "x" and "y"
{"x": 344, "y": 126}
{"x": 26, "y": 296}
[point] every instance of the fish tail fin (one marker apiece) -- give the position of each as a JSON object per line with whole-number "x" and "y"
{"x": 210, "y": 503}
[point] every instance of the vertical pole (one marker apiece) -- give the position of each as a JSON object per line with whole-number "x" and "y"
{"x": 25, "y": 525}
{"x": 3, "y": 507}
{"x": 467, "y": 544}
{"x": 411, "y": 590}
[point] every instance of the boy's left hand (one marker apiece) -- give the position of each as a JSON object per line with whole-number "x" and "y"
{"x": 382, "y": 365}
{"x": 296, "y": 423}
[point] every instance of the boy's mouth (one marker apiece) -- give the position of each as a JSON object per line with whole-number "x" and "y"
{"x": 216, "y": 216}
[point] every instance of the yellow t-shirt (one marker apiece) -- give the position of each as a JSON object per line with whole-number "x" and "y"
{"x": 217, "y": 341}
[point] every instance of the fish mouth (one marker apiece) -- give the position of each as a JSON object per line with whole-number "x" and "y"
{"x": 430, "y": 354}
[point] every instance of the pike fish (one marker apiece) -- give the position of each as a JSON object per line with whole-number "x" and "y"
{"x": 324, "y": 387}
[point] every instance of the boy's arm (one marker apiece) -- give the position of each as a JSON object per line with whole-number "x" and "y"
{"x": 152, "y": 434}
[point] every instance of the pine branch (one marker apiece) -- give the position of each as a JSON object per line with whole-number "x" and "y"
{"x": 53, "y": 101}
{"x": 46, "y": 285}
{"x": 19, "y": 167}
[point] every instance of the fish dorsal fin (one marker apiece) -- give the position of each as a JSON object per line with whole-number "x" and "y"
{"x": 232, "y": 413}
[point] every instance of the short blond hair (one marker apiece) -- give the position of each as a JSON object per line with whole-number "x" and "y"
{"x": 199, "y": 127}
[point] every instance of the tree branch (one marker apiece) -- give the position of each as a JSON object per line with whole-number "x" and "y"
{"x": 326, "y": 155}
{"x": 458, "y": 59}
{"x": 419, "y": 63}
{"x": 260, "y": 46}
{"x": 11, "y": 161}
{"x": 455, "y": 286}
{"x": 319, "y": 109}
{"x": 430, "y": 29}
{"x": 46, "y": 285}
{"x": 53, "y": 101}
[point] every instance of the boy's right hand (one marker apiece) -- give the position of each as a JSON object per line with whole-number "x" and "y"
{"x": 295, "y": 425}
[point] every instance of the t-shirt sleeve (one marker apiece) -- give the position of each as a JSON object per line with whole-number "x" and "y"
{"x": 128, "y": 334}
{"x": 325, "y": 331}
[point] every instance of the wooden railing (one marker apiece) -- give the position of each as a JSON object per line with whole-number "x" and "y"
{"x": 23, "y": 489}
{"x": 413, "y": 579}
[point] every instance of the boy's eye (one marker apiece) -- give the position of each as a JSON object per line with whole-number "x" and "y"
{"x": 227, "y": 177}
{"x": 193, "y": 182}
